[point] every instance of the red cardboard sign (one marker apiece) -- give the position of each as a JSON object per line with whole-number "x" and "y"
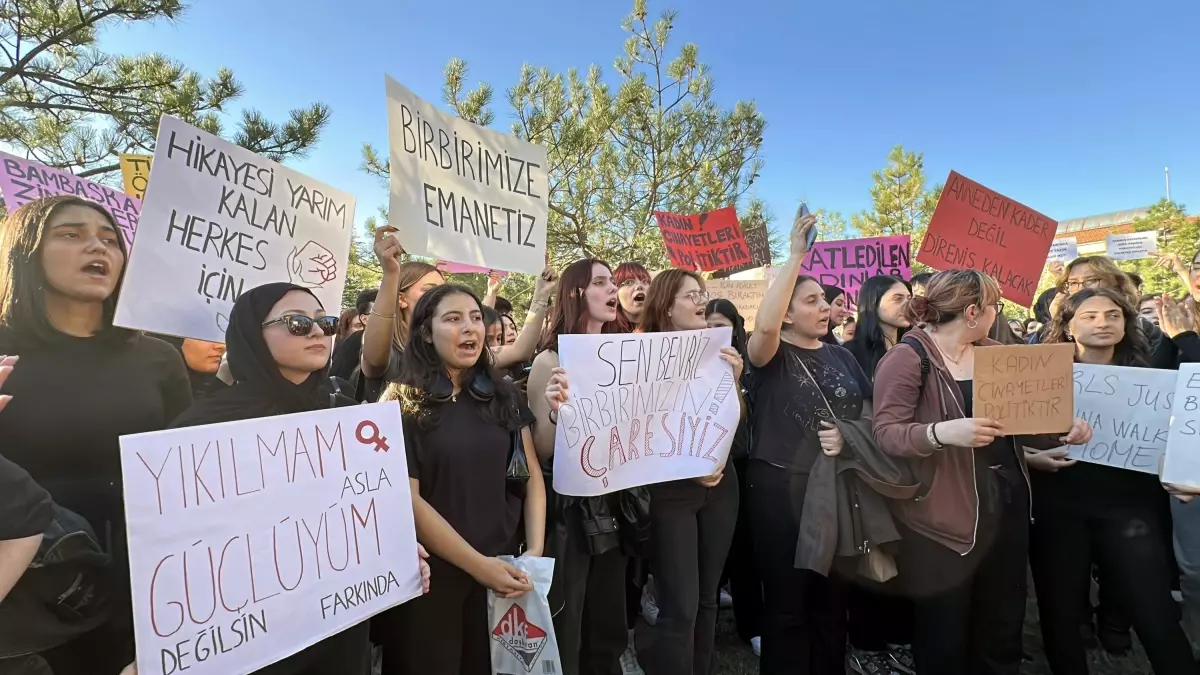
{"x": 977, "y": 228}
{"x": 711, "y": 241}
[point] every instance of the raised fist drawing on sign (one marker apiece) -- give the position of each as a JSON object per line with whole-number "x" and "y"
{"x": 311, "y": 266}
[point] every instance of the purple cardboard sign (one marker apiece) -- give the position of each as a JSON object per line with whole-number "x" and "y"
{"x": 847, "y": 263}
{"x": 22, "y": 181}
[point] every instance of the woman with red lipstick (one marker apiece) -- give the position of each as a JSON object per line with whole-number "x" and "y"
{"x": 80, "y": 384}
{"x": 588, "y": 597}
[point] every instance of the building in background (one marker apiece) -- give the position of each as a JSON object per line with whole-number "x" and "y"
{"x": 1091, "y": 232}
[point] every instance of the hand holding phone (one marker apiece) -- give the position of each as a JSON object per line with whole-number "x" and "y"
{"x": 812, "y": 231}
{"x": 804, "y": 230}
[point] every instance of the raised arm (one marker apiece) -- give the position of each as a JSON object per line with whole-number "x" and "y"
{"x": 521, "y": 350}
{"x": 493, "y": 289}
{"x": 768, "y": 323}
{"x": 378, "y": 335}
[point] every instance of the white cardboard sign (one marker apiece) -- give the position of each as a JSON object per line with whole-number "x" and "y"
{"x": 219, "y": 220}
{"x": 1182, "y": 464}
{"x": 643, "y": 408}
{"x": 464, "y": 193}
{"x": 252, "y": 540}
{"x": 1132, "y": 246}
{"x": 1064, "y": 250}
{"x": 1130, "y": 413}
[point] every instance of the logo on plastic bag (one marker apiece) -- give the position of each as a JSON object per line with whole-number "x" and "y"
{"x": 521, "y": 638}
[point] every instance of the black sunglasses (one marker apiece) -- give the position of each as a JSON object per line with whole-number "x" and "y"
{"x": 300, "y": 325}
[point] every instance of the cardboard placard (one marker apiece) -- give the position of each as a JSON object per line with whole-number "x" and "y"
{"x": 745, "y": 295}
{"x": 251, "y": 540}
{"x": 1063, "y": 250}
{"x": 848, "y": 263}
{"x": 1182, "y": 463}
{"x": 1027, "y": 388}
{"x": 459, "y": 268}
{"x": 1130, "y": 413}
{"x": 759, "y": 244}
{"x": 22, "y": 181}
{"x": 135, "y": 173}
{"x": 706, "y": 241}
{"x": 464, "y": 193}
{"x": 644, "y": 408}
{"x": 219, "y": 219}
{"x": 1131, "y": 246}
{"x": 977, "y": 228}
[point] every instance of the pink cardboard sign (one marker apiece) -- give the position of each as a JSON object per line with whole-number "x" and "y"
{"x": 22, "y": 181}
{"x": 847, "y": 263}
{"x": 461, "y": 268}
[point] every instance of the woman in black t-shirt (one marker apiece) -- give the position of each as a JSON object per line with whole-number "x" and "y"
{"x": 804, "y": 622}
{"x": 81, "y": 384}
{"x": 462, "y": 425}
{"x": 1119, "y": 517}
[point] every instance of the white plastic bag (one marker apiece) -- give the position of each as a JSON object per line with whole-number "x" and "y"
{"x": 523, "y": 628}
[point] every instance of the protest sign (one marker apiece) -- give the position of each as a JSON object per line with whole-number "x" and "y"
{"x": 643, "y": 408}
{"x": 22, "y": 181}
{"x": 705, "y": 241}
{"x": 459, "y": 268}
{"x": 745, "y": 295}
{"x": 1132, "y": 246}
{"x": 1182, "y": 463}
{"x": 221, "y": 220}
{"x": 135, "y": 172}
{"x": 847, "y": 263}
{"x": 976, "y": 228}
{"x": 464, "y": 193}
{"x": 1026, "y": 388}
{"x": 1129, "y": 410}
{"x": 1063, "y": 250}
{"x": 251, "y": 540}
{"x": 759, "y": 245}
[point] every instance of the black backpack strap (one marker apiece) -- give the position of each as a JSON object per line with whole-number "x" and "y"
{"x": 920, "y": 350}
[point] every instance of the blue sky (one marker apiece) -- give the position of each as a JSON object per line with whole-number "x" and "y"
{"x": 1072, "y": 107}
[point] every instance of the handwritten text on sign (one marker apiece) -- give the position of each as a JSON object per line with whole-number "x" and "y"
{"x": 22, "y": 181}
{"x": 1182, "y": 464}
{"x": 464, "y": 193}
{"x": 745, "y": 295}
{"x": 1129, "y": 410}
{"x": 219, "y": 220}
{"x": 976, "y": 228}
{"x": 135, "y": 172}
{"x": 707, "y": 241}
{"x": 1026, "y": 388}
{"x": 848, "y": 263}
{"x": 757, "y": 243}
{"x": 251, "y": 540}
{"x": 643, "y": 408}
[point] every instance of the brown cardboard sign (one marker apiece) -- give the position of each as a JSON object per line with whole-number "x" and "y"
{"x": 1027, "y": 388}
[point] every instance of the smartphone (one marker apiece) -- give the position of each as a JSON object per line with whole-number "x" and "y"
{"x": 812, "y": 233}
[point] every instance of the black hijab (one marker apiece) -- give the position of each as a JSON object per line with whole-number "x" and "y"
{"x": 831, "y": 294}
{"x": 259, "y": 389}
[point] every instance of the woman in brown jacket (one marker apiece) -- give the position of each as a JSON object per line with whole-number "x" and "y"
{"x": 965, "y": 542}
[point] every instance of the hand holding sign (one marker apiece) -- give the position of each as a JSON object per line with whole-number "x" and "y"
{"x": 547, "y": 281}
{"x": 969, "y": 432}
{"x": 732, "y": 357}
{"x": 6, "y": 368}
{"x": 1080, "y": 433}
{"x": 556, "y": 388}
{"x": 495, "y": 281}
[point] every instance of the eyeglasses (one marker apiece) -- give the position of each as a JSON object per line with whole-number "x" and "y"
{"x": 1075, "y": 286}
{"x": 630, "y": 283}
{"x": 697, "y": 297}
{"x": 300, "y": 325}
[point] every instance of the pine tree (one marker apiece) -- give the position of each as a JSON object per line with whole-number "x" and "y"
{"x": 900, "y": 201}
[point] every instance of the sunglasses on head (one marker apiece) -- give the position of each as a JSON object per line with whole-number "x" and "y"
{"x": 300, "y": 325}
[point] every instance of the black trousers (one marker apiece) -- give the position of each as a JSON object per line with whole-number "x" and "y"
{"x": 740, "y": 569}
{"x": 804, "y": 613}
{"x": 691, "y": 528}
{"x": 347, "y": 653}
{"x": 969, "y": 610}
{"x": 1128, "y": 543}
{"x": 444, "y": 631}
{"x": 588, "y": 602}
{"x": 879, "y": 615}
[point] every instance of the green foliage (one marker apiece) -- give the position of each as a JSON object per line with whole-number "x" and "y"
{"x": 656, "y": 141}
{"x": 900, "y": 201}
{"x": 65, "y": 103}
{"x": 1178, "y": 234}
{"x": 831, "y": 226}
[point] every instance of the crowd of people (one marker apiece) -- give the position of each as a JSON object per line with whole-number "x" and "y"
{"x": 866, "y": 517}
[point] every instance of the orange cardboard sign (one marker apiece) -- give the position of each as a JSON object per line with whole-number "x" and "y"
{"x": 706, "y": 241}
{"x": 1030, "y": 389}
{"x": 977, "y": 228}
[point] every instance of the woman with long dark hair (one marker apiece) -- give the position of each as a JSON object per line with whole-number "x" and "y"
{"x": 965, "y": 541}
{"x": 881, "y": 320}
{"x": 463, "y": 425}
{"x": 1084, "y": 511}
{"x": 80, "y": 384}
{"x": 588, "y": 597}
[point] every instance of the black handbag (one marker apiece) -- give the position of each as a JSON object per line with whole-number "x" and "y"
{"x": 518, "y": 465}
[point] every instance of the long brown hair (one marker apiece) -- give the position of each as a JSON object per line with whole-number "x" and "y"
{"x": 661, "y": 297}
{"x": 569, "y": 315}
{"x": 948, "y": 294}
{"x": 23, "y": 279}
{"x": 410, "y": 273}
{"x": 1132, "y": 350}
{"x": 1111, "y": 276}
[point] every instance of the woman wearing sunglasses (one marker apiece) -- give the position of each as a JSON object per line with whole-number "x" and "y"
{"x": 278, "y": 344}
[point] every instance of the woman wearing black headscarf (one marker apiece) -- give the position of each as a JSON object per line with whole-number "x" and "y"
{"x": 278, "y": 344}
